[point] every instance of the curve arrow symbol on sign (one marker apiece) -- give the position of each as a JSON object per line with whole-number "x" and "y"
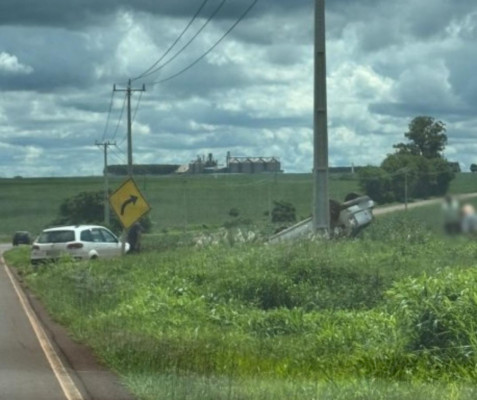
{"x": 131, "y": 200}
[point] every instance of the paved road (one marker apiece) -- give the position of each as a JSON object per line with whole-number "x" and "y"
{"x": 38, "y": 359}
{"x": 25, "y": 373}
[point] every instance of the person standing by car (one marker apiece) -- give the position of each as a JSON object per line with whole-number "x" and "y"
{"x": 134, "y": 237}
{"x": 452, "y": 215}
{"x": 469, "y": 219}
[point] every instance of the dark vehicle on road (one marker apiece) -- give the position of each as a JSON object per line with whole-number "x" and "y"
{"x": 21, "y": 237}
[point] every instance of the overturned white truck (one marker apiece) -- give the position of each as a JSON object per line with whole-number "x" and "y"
{"x": 347, "y": 219}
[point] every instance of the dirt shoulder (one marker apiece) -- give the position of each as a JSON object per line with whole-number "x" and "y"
{"x": 422, "y": 203}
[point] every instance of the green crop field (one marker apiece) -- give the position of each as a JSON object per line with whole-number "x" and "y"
{"x": 176, "y": 201}
{"x": 184, "y": 202}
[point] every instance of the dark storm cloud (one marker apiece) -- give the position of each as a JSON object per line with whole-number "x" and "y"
{"x": 48, "y": 143}
{"x": 56, "y": 58}
{"x": 409, "y": 110}
{"x": 79, "y": 12}
{"x": 201, "y": 81}
{"x": 388, "y": 61}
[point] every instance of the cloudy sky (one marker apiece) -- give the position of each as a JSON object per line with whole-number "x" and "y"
{"x": 252, "y": 95}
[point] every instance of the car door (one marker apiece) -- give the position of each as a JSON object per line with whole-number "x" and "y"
{"x": 86, "y": 237}
{"x": 99, "y": 245}
{"x": 59, "y": 240}
{"x": 111, "y": 246}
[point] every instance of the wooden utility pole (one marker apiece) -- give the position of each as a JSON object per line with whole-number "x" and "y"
{"x": 321, "y": 207}
{"x": 105, "y": 146}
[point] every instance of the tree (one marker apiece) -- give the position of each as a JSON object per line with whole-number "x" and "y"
{"x": 84, "y": 208}
{"x": 88, "y": 208}
{"x": 283, "y": 211}
{"x": 376, "y": 183}
{"x": 442, "y": 174}
{"x": 424, "y": 177}
{"x": 417, "y": 169}
{"x": 428, "y": 138}
{"x": 473, "y": 167}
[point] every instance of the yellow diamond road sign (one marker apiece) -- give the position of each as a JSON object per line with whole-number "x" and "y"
{"x": 128, "y": 203}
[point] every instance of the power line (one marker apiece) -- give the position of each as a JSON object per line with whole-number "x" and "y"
{"x": 189, "y": 42}
{"x": 105, "y": 145}
{"x": 109, "y": 116}
{"x": 148, "y": 71}
{"x": 133, "y": 118}
{"x": 211, "y": 48}
{"x": 120, "y": 118}
{"x": 118, "y": 154}
{"x": 137, "y": 106}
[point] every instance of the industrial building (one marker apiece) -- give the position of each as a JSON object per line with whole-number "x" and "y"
{"x": 234, "y": 165}
{"x": 252, "y": 165}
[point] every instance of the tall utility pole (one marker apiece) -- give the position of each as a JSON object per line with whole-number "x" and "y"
{"x": 105, "y": 146}
{"x": 321, "y": 207}
{"x": 129, "y": 91}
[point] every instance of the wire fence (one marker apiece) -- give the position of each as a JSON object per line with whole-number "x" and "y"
{"x": 215, "y": 200}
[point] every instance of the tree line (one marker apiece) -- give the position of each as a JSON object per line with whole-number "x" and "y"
{"x": 416, "y": 169}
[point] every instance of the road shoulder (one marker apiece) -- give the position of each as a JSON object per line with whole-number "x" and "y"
{"x": 91, "y": 376}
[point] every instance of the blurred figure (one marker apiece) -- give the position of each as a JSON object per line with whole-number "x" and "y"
{"x": 134, "y": 237}
{"x": 452, "y": 215}
{"x": 469, "y": 219}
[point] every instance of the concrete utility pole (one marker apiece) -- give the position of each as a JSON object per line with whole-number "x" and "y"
{"x": 129, "y": 91}
{"x": 105, "y": 146}
{"x": 321, "y": 207}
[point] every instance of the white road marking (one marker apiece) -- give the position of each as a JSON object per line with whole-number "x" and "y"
{"x": 67, "y": 385}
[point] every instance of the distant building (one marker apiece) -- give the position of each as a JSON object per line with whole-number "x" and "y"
{"x": 252, "y": 165}
{"x": 183, "y": 169}
{"x": 234, "y": 165}
{"x": 202, "y": 165}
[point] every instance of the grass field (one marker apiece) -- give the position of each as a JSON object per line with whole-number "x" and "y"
{"x": 176, "y": 201}
{"x": 179, "y": 202}
{"x": 389, "y": 315}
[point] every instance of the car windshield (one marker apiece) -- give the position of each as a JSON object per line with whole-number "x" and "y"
{"x": 57, "y": 236}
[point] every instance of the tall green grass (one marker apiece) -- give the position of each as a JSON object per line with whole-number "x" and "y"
{"x": 388, "y": 315}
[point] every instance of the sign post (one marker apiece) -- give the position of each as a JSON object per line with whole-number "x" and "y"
{"x": 129, "y": 205}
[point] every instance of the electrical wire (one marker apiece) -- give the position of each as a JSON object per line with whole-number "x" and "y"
{"x": 108, "y": 117}
{"x": 137, "y": 106}
{"x": 134, "y": 116}
{"x": 118, "y": 154}
{"x": 210, "y": 49}
{"x": 189, "y": 42}
{"x": 120, "y": 117}
{"x": 148, "y": 71}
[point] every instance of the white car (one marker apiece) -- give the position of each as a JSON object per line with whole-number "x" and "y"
{"x": 81, "y": 242}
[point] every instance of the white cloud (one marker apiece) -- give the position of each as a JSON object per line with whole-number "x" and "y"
{"x": 32, "y": 154}
{"x": 252, "y": 95}
{"x": 10, "y": 64}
